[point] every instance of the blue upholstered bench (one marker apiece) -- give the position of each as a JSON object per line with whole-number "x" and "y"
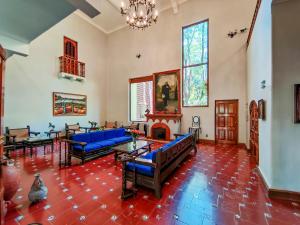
{"x": 90, "y": 145}
{"x": 152, "y": 169}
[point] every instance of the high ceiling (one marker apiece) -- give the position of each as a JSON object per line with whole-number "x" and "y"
{"x": 110, "y": 18}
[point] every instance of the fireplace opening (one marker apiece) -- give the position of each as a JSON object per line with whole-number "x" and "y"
{"x": 159, "y": 133}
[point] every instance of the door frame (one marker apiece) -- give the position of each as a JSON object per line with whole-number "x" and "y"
{"x": 237, "y": 112}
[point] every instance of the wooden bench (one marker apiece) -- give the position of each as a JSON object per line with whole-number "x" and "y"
{"x": 154, "y": 168}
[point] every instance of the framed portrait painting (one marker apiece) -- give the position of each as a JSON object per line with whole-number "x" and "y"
{"x": 167, "y": 92}
{"x": 297, "y": 103}
{"x": 65, "y": 104}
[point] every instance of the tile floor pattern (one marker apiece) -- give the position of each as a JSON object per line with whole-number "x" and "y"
{"x": 218, "y": 186}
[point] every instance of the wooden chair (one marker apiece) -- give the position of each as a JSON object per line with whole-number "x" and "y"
{"x": 16, "y": 136}
{"x": 74, "y": 129}
{"x": 110, "y": 125}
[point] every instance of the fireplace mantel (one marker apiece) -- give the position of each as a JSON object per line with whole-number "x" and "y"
{"x": 167, "y": 117}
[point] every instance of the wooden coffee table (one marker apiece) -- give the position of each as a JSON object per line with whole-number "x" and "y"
{"x": 37, "y": 142}
{"x": 130, "y": 149}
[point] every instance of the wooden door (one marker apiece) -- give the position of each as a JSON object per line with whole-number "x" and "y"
{"x": 226, "y": 121}
{"x": 71, "y": 55}
{"x": 2, "y": 59}
{"x": 254, "y": 134}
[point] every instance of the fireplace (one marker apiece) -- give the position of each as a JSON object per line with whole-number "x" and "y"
{"x": 160, "y": 131}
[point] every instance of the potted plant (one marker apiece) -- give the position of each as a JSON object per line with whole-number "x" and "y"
{"x": 135, "y": 134}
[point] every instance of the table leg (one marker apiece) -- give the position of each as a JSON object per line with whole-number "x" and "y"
{"x": 59, "y": 162}
{"x": 116, "y": 156}
{"x": 24, "y": 150}
{"x": 31, "y": 150}
{"x": 69, "y": 156}
{"x": 66, "y": 155}
{"x": 44, "y": 149}
{"x": 52, "y": 146}
{"x": 124, "y": 188}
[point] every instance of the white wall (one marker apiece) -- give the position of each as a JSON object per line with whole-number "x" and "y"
{"x": 259, "y": 68}
{"x": 160, "y": 47}
{"x": 286, "y": 73}
{"x": 31, "y": 80}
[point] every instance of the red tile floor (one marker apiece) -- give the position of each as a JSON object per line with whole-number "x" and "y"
{"x": 218, "y": 186}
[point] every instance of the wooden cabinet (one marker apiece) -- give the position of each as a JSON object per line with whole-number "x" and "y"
{"x": 226, "y": 121}
{"x": 2, "y": 65}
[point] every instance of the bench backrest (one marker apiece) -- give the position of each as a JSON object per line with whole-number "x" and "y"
{"x": 165, "y": 156}
{"x": 19, "y": 132}
{"x": 73, "y": 126}
{"x": 111, "y": 124}
{"x": 97, "y": 136}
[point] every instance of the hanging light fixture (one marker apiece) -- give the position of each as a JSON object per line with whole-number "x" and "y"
{"x": 139, "y": 14}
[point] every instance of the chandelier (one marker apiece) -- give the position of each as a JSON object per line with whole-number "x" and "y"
{"x": 139, "y": 14}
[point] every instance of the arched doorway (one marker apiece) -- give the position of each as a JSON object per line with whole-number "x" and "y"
{"x": 254, "y": 133}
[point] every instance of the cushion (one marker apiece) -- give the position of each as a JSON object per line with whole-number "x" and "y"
{"x": 89, "y": 147}
{"x": 151, "y": 155}
{"x": 141, "y": 169}
{"x": 118, "y": 140}
{"x": 97, "y": 136}
{"x": 106, "y": 143}
{"x": 182, "y": 137}
{"x": 94, "y": 145}
{"x": 85, "y": 137}
{"x": 108, "y": 134}
{"x": 120, "y": 132}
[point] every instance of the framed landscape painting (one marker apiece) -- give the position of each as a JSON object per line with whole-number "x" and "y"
{"x": 167, "y": 92}
{"x": 297, "y": 103}
{"x": 65, "y": 104}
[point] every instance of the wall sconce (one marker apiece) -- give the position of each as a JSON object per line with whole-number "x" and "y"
{"x": 263, "y": 84}
{"x": 232, "y": 34}
{"x": 138, "y": 56}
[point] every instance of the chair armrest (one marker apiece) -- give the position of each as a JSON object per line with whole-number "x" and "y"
{"x": 34, "y": 133}
{"x": 9, "y": 136}
{"x": 75, "y": 142}
{"x": 85, "y": 129}
{"x": 145, "y": 162}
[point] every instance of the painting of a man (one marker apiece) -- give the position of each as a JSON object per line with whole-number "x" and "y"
{"x": 167, "y": 92}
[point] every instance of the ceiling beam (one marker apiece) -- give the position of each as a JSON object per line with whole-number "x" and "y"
{"x": 174, "y": 4}
{"x": 13, "y": 46}
{"x": 85, "y": 7}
